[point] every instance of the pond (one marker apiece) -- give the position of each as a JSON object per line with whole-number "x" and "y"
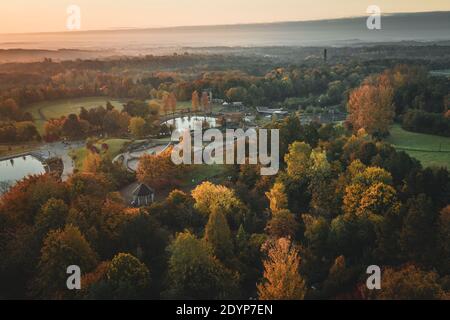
{"x": 15, "y": 169}
{"x": 191, "y": 123}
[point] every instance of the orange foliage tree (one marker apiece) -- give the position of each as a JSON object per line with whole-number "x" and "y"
{"x": 371, "y": 106}
{"x": 158, "y": 171}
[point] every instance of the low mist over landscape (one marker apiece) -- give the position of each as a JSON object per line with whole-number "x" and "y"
{"x": 405, "y": 28}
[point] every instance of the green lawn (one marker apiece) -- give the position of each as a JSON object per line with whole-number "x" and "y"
{"x": 198, "y": 173}
{"x": 12, "y": 149}
{"x": 43, "y": 111}
{"x": 423, "y": 147}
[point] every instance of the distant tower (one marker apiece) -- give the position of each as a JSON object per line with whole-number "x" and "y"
{"x": 325, "y": 55}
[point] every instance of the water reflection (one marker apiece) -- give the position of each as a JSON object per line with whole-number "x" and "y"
{"x": 16, "y": 169}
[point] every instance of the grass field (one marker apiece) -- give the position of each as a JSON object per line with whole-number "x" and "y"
{"x": 430, "y": 150}
{"x": 43, "y": 111}
{"x": 114, "y": 148}
{"x": 6, "y": 150}
{"x": 183, "y": 105}
{"x": 198, "y": 173}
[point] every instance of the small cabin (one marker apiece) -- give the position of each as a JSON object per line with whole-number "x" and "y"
{"x": 143, "y": 195}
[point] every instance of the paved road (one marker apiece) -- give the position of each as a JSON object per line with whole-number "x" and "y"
{"x": 61, "y": 150}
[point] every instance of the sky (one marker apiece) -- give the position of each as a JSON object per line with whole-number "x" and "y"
{"x": 24, "y": 16}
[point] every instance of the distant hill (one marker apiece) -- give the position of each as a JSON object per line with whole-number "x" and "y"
{"x": 407, "y": 27}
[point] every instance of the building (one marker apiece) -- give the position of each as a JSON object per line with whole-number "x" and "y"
{"x": 143, "y": 195}
{"x": 270, "y": 112}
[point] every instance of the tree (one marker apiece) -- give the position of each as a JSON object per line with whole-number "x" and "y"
{"x": 418, "y": 237}
{"x": 237, "y": 94}
{"x": 282, "y": 225}
{"x": 277, "y": 197}
{"x": 444, "y": 236}
{"x": 208, "y": 195}
{"x": 53, "y": 129}
{"x": 72, "y": 127}
{"x": 409, "y": 283}
{"x": 158, "y": 171}
{"x": 298, "y": 159}
{"x": 194, "y": 273}
{"x": 127, "y": 277}
{"x": 371, "y": 106}
{"x": 282, "y": 280}
{"x": 137, "y": 127}
{"x": 166, "y": 103}
{"x": 206, "y": 104}
{"x": 172, "y": 100}
{"x": 195, "y": 101}
{"x": 218, "y": 234}
{"x": 115, "y": 122}
{"x": 26, "y": 198}
{"x": 92, "y": 162}
{"x": 52, "y": 216}
{"x": 62, "y": 248}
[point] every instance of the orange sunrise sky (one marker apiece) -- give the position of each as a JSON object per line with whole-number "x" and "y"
{"x": 22, "y": 16}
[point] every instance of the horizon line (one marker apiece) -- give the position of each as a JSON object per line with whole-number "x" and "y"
{"x": 116, "y": 29}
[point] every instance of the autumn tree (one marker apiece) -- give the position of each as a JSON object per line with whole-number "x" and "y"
{"x": 53, "y": 129}
{"x": 52, "y": 216}
{"x": 409, "y": 283}
{"x": 195, "y": 101}
{"x": 298, "y": 159}
{"x": 208, "y": 195}
{"x": 172, "y": 102}
{"x": 115, "y": 122}
{"x": 277, "y": 197}
{"x": 371, "y": 106}
{"x": 282, "y": 280}
{"x": 158, "y": 171}
{"x": 137, "y": 127}
{"x": 166, "y": 103}
{"x": 206, "y": 104}
{"x": 91, "y": 162}
{"x": 282, "y": 224}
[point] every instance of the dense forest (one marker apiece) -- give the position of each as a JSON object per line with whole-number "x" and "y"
{"x": 343, "y": 200}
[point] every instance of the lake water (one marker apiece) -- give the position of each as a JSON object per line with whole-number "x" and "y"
{"x": 16, "y": 169}
{"x": 191, "y": 123}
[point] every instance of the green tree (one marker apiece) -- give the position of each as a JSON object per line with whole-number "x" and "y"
{"x": 418, "y": 237}
{"x": 218, "y": 234}
{"x": 62, "y": 248}
{"x": 194, "y": 272}
{"x": 127, "y": 277}
{"x": 298, "y": 159}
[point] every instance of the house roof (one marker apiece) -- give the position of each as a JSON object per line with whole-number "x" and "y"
{"x": 143, "y": 190}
